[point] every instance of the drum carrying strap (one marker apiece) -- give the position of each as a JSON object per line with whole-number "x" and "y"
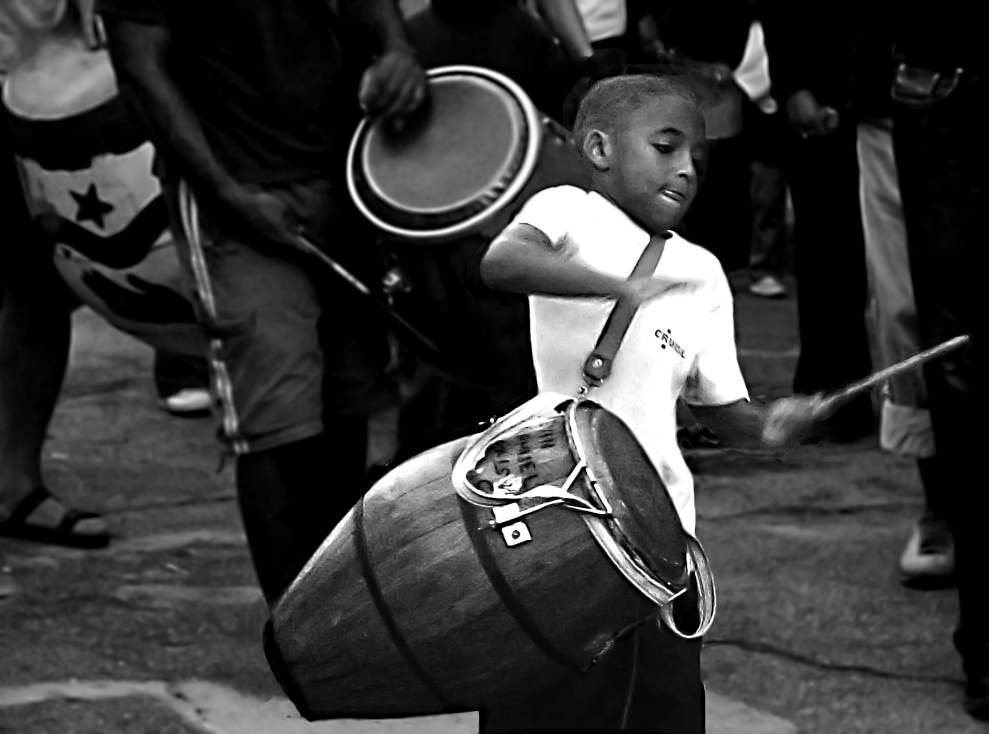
{"x": 598, "y": 364}
{"x": 597, "y": 368}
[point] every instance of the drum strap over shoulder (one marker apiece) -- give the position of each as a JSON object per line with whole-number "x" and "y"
{"x": 598, "y": 364}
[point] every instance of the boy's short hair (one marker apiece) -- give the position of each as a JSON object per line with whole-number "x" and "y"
{"x": 610, "y": 102}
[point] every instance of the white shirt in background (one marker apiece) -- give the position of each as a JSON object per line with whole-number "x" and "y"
{"x": 603, "y": 18}
{"x": 680, "y": 344}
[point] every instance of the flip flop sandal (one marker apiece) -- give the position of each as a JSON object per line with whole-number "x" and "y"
{"x": 63, "y": 534}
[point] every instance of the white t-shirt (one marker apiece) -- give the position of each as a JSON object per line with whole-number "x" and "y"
{"x": 680, "y": 344}
{"x": 603, "y": 18}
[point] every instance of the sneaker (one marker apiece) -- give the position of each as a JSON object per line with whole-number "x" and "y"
{"x": 928, "y": 561}
{"x": 768, "y": 287}
{"x": 188, "y": 403}
{"x": 977, "y": 697}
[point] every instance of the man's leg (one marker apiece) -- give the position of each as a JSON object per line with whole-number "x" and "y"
{"x": 300, "y": 439}
{"x": 831, "y": 278}
{"x": 35, "y": 330}
{"x": 292, "y": 496}
{"x": 941, "y": 155}
{"x": 905, "y": 429}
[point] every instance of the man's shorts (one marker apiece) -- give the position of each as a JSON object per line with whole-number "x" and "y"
{"x": 291, "y": 344}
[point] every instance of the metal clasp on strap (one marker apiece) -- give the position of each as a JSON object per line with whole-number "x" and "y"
{"x": 552, "y": 494}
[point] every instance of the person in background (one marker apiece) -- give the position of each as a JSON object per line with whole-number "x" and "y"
{"x": 586, "y": 26}
{"x": 940, "y": 146}
{"x": 35, "y": 335}
{"x": 249, "y": 105}
{"x": 498, "y": 35}
{"x": 811, "y": 57}
{"x": 721, "y": 218}
{"x": 770, "y": 256}
{"x": 905, "y": 429}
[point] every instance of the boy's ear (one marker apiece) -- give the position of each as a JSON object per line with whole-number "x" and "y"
{"x": 598, "y": 148}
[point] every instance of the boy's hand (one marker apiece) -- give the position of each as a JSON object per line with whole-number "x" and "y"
{"x": 789, "y": 419}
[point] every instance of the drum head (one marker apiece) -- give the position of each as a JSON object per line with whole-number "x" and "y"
{"x": 645, "y": 525}
{"x": 468, "y": 154}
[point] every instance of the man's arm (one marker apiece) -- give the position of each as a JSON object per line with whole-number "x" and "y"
{"x": 523, "y": 260}
{"x": 563, "y": 18}
{"x": 139, "y": 51}
{"x": 394, "y": 86}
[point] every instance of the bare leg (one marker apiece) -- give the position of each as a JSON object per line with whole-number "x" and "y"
{"x": 35, "y": 330}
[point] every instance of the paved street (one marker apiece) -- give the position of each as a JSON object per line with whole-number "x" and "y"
{"x": 159, "y": 634}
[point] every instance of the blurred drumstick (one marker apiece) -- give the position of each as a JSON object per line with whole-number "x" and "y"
{"x": 404, "y": 327}
{"x": 834, "y": 400}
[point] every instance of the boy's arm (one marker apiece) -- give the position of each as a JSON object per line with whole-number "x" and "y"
{"x": 749, "y": 425}
{"x": 522, "y": 259}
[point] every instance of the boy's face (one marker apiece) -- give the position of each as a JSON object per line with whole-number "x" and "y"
{"x": 657, "y": 161}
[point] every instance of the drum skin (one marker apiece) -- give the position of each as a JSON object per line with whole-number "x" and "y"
{"x": 465, "y": 166}
{"x": 413, "y": 606}
{"x": 86, "y": 170}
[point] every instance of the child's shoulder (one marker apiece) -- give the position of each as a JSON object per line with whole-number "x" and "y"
{"x": 694, "y": 262}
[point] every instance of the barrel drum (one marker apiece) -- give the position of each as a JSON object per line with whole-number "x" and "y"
{"x": 421, "y": 601}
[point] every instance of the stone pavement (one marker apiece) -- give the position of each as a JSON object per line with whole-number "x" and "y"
{"x": 159, "y": 633}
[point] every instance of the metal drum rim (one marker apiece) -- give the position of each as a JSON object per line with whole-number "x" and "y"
{"x": 643, "y": 579}
{"x": 526, "y": 168}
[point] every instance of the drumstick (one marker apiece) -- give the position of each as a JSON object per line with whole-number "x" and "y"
{"x": 833, "y": 401}
{"x": 361, "y": 288}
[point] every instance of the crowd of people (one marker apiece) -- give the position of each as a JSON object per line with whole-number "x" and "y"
{"x": 864, "y": 116}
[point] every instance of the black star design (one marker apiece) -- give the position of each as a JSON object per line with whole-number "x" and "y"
{"x": 91, "y": 207}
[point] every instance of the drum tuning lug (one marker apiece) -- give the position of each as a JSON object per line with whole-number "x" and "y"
{"x": 516, "y": 534}
{"x": 395, "y": 281}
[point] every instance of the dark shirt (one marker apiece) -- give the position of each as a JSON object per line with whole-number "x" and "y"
{"x": 940, "y": 36}
{"x": 872, "y": 63}
{"x": 266, "y": 79}
{"x": 811, "y": 47}
{"x": 498, "y": 36}
{"x": 713, "y": 32}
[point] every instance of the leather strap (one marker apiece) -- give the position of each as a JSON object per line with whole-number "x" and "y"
{"x": 598, "y": 364}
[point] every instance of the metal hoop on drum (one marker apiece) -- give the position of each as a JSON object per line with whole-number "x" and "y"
{"x": 533, "y": 124}
{"x": 599, "y": 516}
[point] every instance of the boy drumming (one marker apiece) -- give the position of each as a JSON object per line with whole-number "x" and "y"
{"x": 643, "y": 138}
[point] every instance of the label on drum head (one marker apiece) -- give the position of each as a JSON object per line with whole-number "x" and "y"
{"x": 533, "y": 456}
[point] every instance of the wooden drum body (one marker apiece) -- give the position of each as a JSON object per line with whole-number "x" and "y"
{"x": 421, "y": 601}
{"x": 86, "y": 171}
